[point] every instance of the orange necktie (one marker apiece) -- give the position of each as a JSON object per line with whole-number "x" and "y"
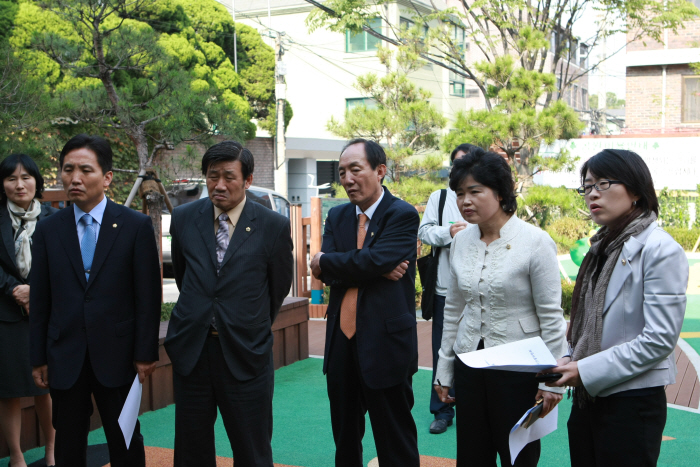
{"x": 348, "y": 307}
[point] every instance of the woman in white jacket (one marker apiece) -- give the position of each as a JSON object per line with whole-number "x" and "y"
{"x": 504, "y": 287}
{"x": 627, "y": 312}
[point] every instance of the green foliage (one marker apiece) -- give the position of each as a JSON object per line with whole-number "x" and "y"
{"x": 166, "y": 310}
{"x": 515, "y": 124}
{"x": 145, "y": 73}
{"x": 414, "y": 190}
{"x": 565, "y": 231}
{"x": 685, "y": 237}
{"x": 403, "y": 118}
{"x": 673, "y": 209}
{"x": 611, "y": 101}
{"x": 567, "y": 292}
{"x": 547, "y": 204}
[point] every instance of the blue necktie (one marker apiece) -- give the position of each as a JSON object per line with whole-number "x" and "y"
{"x": 87, "y": 247}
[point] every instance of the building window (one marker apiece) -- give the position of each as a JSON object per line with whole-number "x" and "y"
{"x": 459, "y": 37}
{"x": 472, "y": 93}
{"x": 368, "y": 102}
{"x": 456, "y": 85}
{"x": 584, "y": 99}
{"x": 575, "y": 104}
{"x": 691, "y": 99}
{"x": 405, "y": 24}
{"x": 583, "y": 55}
{"x": 362, "y": 41}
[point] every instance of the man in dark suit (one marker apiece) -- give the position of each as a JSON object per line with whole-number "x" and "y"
{"x": 95, "y": 305}
{"x": 233, "y": 265}
{"x": 368, "y": 258}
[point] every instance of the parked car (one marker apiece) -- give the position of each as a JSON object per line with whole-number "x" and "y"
{"x": 185, "y": 191}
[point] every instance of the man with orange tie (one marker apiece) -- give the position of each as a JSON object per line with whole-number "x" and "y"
{"x": 368, "y": 258}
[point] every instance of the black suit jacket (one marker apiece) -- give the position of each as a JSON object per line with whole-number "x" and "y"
{"x": 9, "y": 275}
{"x": 246, "y": 296}
{"x": 115, "y": 316}
{"x": 386, "y": 336}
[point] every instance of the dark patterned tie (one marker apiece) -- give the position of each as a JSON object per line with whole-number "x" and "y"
{"x": 222, "y": 238}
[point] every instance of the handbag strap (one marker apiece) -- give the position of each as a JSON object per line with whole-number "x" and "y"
{"x": 441, "y": 206}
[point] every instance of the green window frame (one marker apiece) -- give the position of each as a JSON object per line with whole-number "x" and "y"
{"x": 352, "y": 102}
{"x": 362, "y": 41}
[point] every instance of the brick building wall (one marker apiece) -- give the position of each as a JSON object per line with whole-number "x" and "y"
{"x": 184, "y": 161}
{"x": 686, "y": 38}
{"x": 645, "y": 84}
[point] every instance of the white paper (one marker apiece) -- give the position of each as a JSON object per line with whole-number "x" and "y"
{"x": 130, "y": 411}
{"x": 528, "y": 355}
{"x": 521, "y": 436}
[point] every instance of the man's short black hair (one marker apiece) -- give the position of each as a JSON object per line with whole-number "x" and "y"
{"x": 10, "y": 164}
{"x": 466, "y": 148}
{"x": 228, "y": 151}
{"x": 374, "y": 151}
{"x": 96, "y": 144}
{"x": 629, "y": 168}
{"x": 489, "y": 169}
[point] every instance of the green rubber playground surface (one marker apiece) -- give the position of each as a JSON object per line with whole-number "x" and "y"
{"x": 302, "y": 427}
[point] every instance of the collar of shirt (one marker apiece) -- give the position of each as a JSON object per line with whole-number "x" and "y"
{"x": 233, "y": 214}
{"x": 370, "y": 211}
{"x": 97, "y": 212}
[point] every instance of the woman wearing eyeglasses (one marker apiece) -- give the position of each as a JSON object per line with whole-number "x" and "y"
{"x": 627, "y": 311}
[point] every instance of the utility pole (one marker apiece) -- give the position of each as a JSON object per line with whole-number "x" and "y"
{"x": 280, "y": 173}
{"x": 235, "y": 40}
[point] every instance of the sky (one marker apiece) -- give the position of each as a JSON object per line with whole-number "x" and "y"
{"x": 611, "y": 75}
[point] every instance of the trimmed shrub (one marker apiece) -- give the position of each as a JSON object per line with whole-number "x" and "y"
{"x": 166, "y": 309}
{"x": 566, "y": 231}
{"x": 567, "y": 291}
{"x": 686, "y": 238}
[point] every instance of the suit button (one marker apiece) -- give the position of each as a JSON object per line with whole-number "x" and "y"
{"x": 87, "y": 298}
{"x": 216, "y": 299}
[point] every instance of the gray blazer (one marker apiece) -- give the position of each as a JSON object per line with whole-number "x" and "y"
{"x": 642, "y": 317}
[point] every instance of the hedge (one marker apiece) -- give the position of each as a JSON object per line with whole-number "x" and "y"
{"x": 685, "y": 237}
{"x": 166, "y": 309}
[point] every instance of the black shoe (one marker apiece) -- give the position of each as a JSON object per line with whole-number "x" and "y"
{"x": 439, "y": 425}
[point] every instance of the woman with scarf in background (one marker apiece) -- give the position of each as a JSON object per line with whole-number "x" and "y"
{"x": 627, "y": 310}
{"x": 20, "y": 210}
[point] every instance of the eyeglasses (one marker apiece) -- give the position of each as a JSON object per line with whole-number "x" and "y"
{"x": 602, "y": 185}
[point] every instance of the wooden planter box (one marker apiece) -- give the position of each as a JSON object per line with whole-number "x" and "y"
{"x": 291, "y": 334}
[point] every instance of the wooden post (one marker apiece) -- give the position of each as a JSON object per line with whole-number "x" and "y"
{"x": 316, "y": 241}
{"x": 297, "y": 239}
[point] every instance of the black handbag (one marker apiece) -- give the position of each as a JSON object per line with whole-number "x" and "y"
{"x": 428, "y": 269}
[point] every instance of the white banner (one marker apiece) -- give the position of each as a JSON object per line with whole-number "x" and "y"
{"x": 674, "y": 162}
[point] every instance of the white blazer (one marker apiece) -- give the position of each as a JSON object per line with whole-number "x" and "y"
{"x": 642, "y": 317}
{"x": 507, "y": 291}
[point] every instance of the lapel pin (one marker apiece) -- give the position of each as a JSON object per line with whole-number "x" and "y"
{"x": 114, "y": 225}
{"x": 247, "y": 229}
{"x": 624, "y": 262}
{"x": 371, "y": 234}
{"x": 508, "y": 246}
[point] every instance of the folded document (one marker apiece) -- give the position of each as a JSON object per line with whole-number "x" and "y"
{"x": 527, "y": 355}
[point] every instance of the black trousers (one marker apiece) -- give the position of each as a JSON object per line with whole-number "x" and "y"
{"x": 246, "y": 409}
{"x": 72, "y": 409}
{"x": 389, "y": 410}
{"x": 437, "y": 407}
{"x": 489, "y": 403}
{"x": 618, "y": 430}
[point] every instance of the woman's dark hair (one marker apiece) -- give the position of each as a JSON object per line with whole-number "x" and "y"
{"x": 228, "y": 151}
{"x": 630, "y": 169}
{"x": 96, "y": 144}
{"x": 9, "y": 165}
{"x": 489, "y": 169}
{"x": 373, "y": 150}
{"x": 466, "y": 148}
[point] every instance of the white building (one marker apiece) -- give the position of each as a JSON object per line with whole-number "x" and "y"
{"x": 321, "y": 68}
